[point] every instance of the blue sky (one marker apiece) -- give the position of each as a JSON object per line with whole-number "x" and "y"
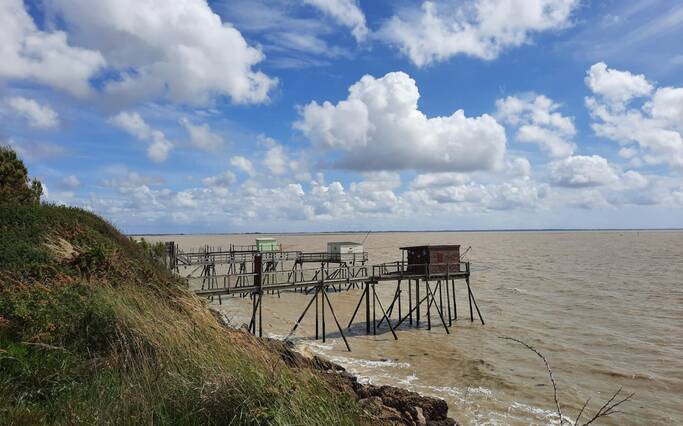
{"x": 276, "y": 115}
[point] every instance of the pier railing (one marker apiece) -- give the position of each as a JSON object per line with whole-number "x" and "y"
{"x": 227, "y": 257}
{"x": 403, "y": 269}
{"x": 272, "y": 280}
{"x": 253, "y": 248}
{"x": 188, "y": 258}
{"x": 282, "y": 279}
{"x": 333, "y": 257}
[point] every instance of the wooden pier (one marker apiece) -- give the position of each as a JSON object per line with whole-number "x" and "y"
{"x": 424, "y": 285}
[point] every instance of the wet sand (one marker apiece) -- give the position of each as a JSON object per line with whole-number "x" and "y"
{"x": 606, "y": 308}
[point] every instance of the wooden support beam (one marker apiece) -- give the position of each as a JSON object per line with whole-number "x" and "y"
{"x": 316, "y": 312}
{"x": 429, "y": 304}
{"x": 385, "y": 316}
{"x": 323, "y": 310}
{"x": 417, "y": 303}
{"x": 335, "y": 320}
{"x": 303, "y": 314}
{"x": 393, "y": 301}
{"x": 467, "y": 280}
{"x": 410, "y": 301}
{"x": 469, "y": 297}
{"x": 367, "y": 308}
{"x": 360, "y": 300}
{"x": 440, "y": 295}
{"x": 448, "y": 303}
{"x": 443, "y": 321}
{"x": 374, "y": 321}
{"x": 455, "y": 305}
{"x": 417, "y": 297}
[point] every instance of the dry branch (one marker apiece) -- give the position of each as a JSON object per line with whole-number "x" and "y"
{"x": 547, "y": 366}
{"x": 607, "y": 409}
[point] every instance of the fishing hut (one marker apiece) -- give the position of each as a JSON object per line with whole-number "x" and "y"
{"x": 424, "y": 283}
{"x": 342, "y": 259}
{"x": 437, "y": 258}
{"x": 267, "y": 244}
{"x": 345, "y": 250}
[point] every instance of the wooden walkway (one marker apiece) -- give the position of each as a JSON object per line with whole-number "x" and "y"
{"x": 430, "y": 290}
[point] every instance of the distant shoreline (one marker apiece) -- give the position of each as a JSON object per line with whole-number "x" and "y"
{"x": 415, "y": 231}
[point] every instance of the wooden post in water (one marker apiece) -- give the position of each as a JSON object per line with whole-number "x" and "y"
{"x": 374, "y": 322}
{"x": 443, "y": 321}
{"x": 429, "y": 304}
{"x": 303, "y": 314}
{"x": 322, "y": 286}
{"x": 417, "y": 303}
{"x": 367, "y": 308}
{"x": 469, "y": 297}
{"x": 410, "y": 301}
{"x": 472, "y": 299}
{"x": 335, "y": 319}
{"x": 455, "y": 305}
{"x": 316, "y": 314}
{"x": 362, "y": 296}
{"x": 448, "y": 300}
{"x": 399, "y": 298}
{"x": 440, "y": 295}
{"x": 384, "y": 314}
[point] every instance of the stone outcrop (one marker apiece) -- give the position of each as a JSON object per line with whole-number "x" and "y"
{"x": 385, "y": 405}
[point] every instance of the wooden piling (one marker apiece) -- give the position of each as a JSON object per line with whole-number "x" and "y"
{"x": 410, "y": 301}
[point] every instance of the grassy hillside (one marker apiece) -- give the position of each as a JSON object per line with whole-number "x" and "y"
{"x": 91, "y": 331}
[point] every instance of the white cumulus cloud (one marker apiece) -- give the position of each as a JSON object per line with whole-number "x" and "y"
{"x": 223, "y": 180}
{"x": 649, "y": 134}
{"x": 462, "y": 195}
{"x": 346, "y": 12}
{"x": 667, "y": 106}
{"x": 538, "y": 122}
{"x": 38, "y": 115}
{"x": 436, "y": 180}
{"x": 179, "y": 51}
{"x": 47, "y": 57}
{"x": 201, "y": 135}
{"x": 582, "y": 171}
{"x": 614, "y": 85}
{"x": 134, "y": 124}
{"x": 479, "y": 28}
{"x": 243, "y": 164}
{"x": 276, "y": 160}
{"x": 379, "y": 127}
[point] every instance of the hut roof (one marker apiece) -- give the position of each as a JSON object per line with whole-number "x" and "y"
{"x": 437, "y": 247}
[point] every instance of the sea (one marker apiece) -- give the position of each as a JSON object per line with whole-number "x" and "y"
{"x": 605, "y": 308}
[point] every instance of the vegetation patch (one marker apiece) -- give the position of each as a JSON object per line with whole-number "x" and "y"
{"x": 94, "y": 331}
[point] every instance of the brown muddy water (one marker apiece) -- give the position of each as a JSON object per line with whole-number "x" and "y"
{"x": 606, "y": 309}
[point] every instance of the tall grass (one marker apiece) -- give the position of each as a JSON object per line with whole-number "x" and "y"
{"x": 97, "y": 334}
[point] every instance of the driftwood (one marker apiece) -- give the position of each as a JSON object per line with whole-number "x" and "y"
{"x": 607, "y": 409}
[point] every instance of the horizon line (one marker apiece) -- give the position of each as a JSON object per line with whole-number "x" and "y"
{"x": 409, "y": 231}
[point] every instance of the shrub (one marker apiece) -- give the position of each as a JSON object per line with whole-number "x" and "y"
{"x": 15, "y": 185}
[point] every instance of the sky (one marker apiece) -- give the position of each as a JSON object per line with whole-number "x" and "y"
{"x": 337, "y": 115}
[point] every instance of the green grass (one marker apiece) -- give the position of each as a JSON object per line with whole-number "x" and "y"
{"x": 93, "y": 332}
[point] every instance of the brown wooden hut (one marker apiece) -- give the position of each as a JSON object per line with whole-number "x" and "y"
{"x": 434, "y": 259}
